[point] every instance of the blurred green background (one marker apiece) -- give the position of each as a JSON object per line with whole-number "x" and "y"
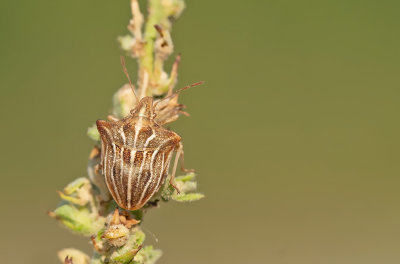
{"x": 295, "y": 134}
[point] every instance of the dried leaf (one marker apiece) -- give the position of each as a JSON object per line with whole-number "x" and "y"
{"x": 77, "y": 256}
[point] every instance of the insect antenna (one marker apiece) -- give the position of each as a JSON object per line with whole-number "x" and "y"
{"x": 178, "y": 91}
{"x": 129, "y": 78}
{"x": 151, "y": 233}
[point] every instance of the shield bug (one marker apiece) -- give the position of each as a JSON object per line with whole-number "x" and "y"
{"x": 136, "y": 154}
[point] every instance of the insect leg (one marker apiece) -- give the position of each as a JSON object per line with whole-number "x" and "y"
{"x": 171, "y": 180}
{"x": 182, "y": 157}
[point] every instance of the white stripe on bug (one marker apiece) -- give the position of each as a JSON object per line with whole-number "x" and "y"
{"x": 152, "y": 159}
{"x": 121, "y": 158}
{"x": 141, "y": 168}
{"x": 138, "y": 126}
{"x": 114, "y": 149}
{"x": 102, "y": 153}
{"x": 129, "y": 187}
{"x": 104, "y": 161}
{"x": 151, "y": 174}
{"x": 149, "y": 139}
{"x": 161, "y": 171}
{"x": 105, "y": 155}
{"x": 121, "y": 131}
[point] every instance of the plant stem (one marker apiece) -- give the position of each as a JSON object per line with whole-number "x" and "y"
{"x": 87, "y": 208}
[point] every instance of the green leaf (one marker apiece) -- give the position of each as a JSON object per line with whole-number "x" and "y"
{"x": 125, "y": 258}
{"x": 78, "y": 192}
{"x": 77, "y": 219}
{"x": 184, "y": 178}
{"x": 187, "y": 187}
{"x": 125, "y": 254}
{"x": 72, "y": 199}
{"x": 75, "y": 185}
{"x": 189, "y": 197}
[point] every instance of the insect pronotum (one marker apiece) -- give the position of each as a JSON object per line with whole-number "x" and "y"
{"x": 136, "y": 153}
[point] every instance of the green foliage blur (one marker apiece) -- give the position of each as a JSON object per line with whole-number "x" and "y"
{"x": 294, "y": 136}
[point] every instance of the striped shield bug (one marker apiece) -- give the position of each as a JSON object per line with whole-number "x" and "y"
{"x": 136, "y": 153}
